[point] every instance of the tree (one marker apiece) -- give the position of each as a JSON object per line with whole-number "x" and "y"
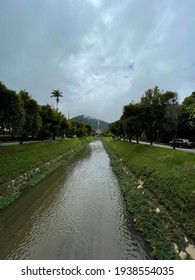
{"x": 54, "y": 123}
{"x": 56, "y": 94}
{"x": 12, "y": 115}
{"x": 186, "y": 127}
{"x": 51, "y": 119}
{"x": 189, "y": 104}
{"x": 131, "y": 120}
{"x": 33, "y": 121}
{"x": 154, "y": 104}
{"x": 80, "y": 129}
{"x": 88, "y": 129}
{"x": 150, "y": 104}
{"x": 47, "y": 116}
{"x": 65, "y": 127}
{"x": 170, "y": 122}
{"x": 73, "y": 128}
{"x": 116, "y": 128}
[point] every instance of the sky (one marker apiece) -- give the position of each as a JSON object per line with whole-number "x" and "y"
{"x": 101, "y": 54}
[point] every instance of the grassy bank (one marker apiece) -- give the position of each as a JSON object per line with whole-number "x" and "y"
{"x": 159, "y": 188}
{"x": 22, "y": 166}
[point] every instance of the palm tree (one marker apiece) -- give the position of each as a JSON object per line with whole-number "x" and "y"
{"x": 56, "y": 94}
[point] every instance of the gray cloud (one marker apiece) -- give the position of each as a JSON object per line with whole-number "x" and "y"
{"x": 100, "y": 54}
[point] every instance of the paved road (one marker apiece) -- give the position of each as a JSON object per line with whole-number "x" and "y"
{"x": 26, "y": 142}
{"x": 168, "y": 147}
{"x": 16, "y": 143}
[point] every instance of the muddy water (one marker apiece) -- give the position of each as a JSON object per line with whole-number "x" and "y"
{"x": 76, "y": 213}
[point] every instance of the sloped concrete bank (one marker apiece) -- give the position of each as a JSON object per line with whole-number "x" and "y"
{"x": 166, "y": 237}
{"x": 11, "y": 190}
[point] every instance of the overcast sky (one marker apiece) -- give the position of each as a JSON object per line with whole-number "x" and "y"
{"x": 101, "y": 54}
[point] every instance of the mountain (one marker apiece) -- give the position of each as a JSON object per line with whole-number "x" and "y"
{"x": 95, "y": 123}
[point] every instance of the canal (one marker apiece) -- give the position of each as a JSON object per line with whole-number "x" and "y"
{"x": 77, "y": 212}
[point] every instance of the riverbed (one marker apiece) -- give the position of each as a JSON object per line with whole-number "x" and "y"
{"x": 77, "y": 212}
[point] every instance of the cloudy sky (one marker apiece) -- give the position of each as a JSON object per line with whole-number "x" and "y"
{"x": 101, "y": 54}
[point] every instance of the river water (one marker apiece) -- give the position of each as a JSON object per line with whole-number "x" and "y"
{"x": 77, "y": 212}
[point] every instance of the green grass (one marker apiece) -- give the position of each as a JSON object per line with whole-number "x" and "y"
{"x": 8, "y": 200}
{"x": 18, "y": 159}
{"x": 23, "y": 160}
{"x": 169, "y": 183}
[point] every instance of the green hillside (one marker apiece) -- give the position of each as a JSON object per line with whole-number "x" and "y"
{"x": 95, "y": 123}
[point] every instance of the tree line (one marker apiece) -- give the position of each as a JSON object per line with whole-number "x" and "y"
{"x": 21, "y": 117}
{"x": 157, "y": 117}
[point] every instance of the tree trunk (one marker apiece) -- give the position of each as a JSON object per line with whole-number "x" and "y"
{"x": 21, "y": 140}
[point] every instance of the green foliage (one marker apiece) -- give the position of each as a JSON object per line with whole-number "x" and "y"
{"x": 107, "y": 133}
{"x": 157, "y": 117}
{"x": 154, "y": 104}
{"x": 131, "y": 121}
{"x": 186, "y": 127}
{"x": 12, "y": 115}
{"x": 117, "y": 128}
{"x": 57, "y": 94}
{"x": 33, "y": 121}
{"x": 21, "y": 117}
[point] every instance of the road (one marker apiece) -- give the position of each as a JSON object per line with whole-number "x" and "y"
{"x": 141, "y": 142}
{"x": 167, "y": 147}
{"x": 16, "y": 143}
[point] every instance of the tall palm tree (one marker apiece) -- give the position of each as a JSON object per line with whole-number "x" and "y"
{"x": 56, "y": 94}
